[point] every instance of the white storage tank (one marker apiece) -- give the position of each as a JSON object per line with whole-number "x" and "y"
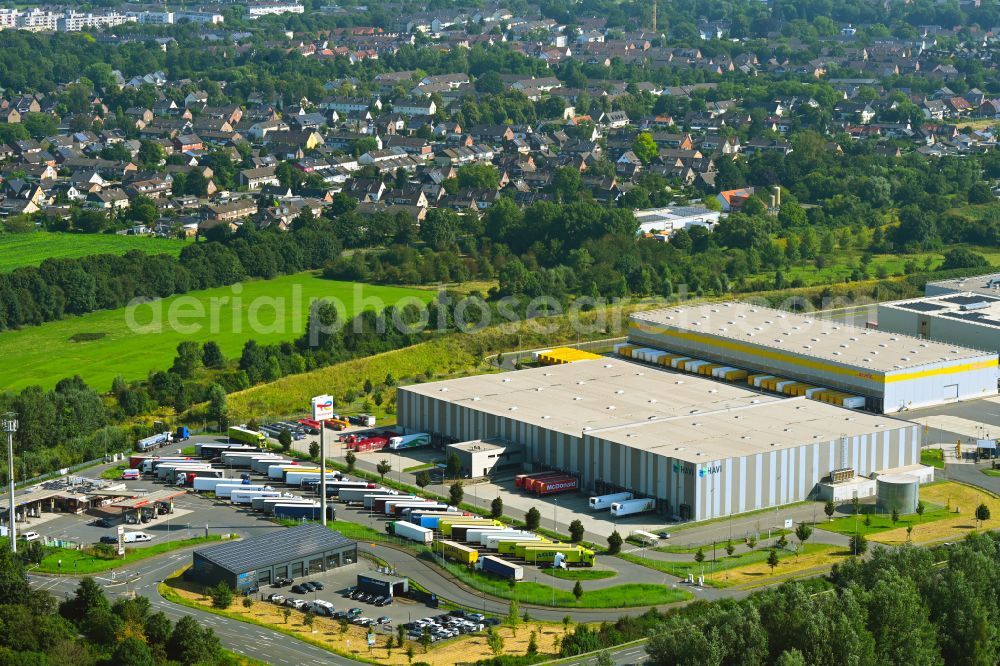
{"x": 899, "y": 492}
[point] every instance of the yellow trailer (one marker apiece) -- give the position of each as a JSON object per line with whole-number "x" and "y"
{"x": 457, "y": 551}
{"x": 735, "y": 375}
{"x": 708, "y": 368}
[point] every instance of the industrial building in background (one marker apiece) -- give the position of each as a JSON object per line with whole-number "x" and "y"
{"x": 968, "y": 319}
{"x": 890, "y": 371}
{"x": 700, "y": 448}
{"x": 984, "y": 285}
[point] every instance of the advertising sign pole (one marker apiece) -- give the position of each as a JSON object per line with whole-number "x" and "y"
{"x": 322, "y": 408}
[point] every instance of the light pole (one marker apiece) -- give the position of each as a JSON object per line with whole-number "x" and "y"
{"x": 9, "y": 426}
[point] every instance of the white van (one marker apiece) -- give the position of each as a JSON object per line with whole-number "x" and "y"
{"x": 320, "y": 607}
{"x": 137, "y": 537}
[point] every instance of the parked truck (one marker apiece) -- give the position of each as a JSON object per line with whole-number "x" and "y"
{"x": 414, "y": 441}
{"x": 182, "y": 434}
{"x": 630, "y": 507}
{"x": 498, "y": 567}
{"x": 401, "y": 510}
{"x": 187, "y": 478}
{"x": 521, "y": 480}
{"x": 368, "y": 444}
{"x": 246, "y": 496}
{"x": 260, "y": 465}
{"x": 602, "y": 502}
{"x": 428, "y": 519}
{"x": 153, "y": 442}
{"x": 458, "y": 552}
{"x": 509, "y": 547}
{"x": 363, "y": 420}
{"x": 462, "y": 524}
{"x": 265, "y": 504}
{"x": 531, "y": 484}
{"x": 276, "y": 471}
{"x": 149, "y": 465}
{"x": 203, "y": 484}
{"x": 225, "y": 490}
{"x": 474, "y": 534}
{"x": 557, "y": 485}
{"x": 550, "y": 553}
{"x": 304, "y": 511}
{"x": 299, "y": 478}
{"x": 413, "y": 532}
{"x": 357, "y": 495}
{"x": 247, "y": 436}
{"x": 489, "y": 540}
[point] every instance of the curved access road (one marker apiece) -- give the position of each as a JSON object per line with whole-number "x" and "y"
{"x": 244, "y": 638}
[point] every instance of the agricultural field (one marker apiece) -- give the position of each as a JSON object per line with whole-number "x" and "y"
{"x": 31, "y": 249}
{"x": 132, "y": 342}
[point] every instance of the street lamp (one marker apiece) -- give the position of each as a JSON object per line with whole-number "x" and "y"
{"x": 9, "y": 425}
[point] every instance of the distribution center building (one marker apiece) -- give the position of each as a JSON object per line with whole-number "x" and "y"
{"x": 970, "y": 319}
{"x": 701, "y": 448}
{"x": 984, "y": 285}
{"x": 291, "y": 553}
{"x": 893, "y": 372}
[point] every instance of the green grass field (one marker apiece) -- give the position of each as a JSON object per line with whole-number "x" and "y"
{"x": 85, "y": 562}
{"x": 134, "y": 342}
{"x": 721, "y": 563}
{"x": 539, "y": 594}
{"x": 580, "y": 574}
{"x": 881, "y": 522}
{"x": 31, "y": 249}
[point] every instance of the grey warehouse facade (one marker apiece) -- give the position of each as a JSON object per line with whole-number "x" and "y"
{"x": 291, "y": 553}
{"x": 702, "y": 448}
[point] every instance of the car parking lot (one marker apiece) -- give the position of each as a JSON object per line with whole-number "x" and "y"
{"x": 339, "y": 598}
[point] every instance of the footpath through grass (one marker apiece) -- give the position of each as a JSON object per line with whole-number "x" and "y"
{"x": 86, "y": 561}
{"x": 32, "y": 248}
{"x": 131, "y": 342}
{"x": 722, "y": 561}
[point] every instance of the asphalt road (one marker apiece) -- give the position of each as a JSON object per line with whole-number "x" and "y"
{"x": 257, "y": 642}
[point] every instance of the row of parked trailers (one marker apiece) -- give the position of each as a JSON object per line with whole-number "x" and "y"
{"x": 547, "y": 483}
{"x": 766, "y": 382}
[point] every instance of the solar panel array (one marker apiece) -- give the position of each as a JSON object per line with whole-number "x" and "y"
{"x": 282, "y": 546}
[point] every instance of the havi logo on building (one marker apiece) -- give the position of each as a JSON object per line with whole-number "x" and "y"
{"x": 711, "y": 469}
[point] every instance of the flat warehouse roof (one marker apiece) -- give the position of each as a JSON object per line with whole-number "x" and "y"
{"x": 587, "y": 395}
{"x": 749, "y": 328}
{"x": 703, "y": 438}
{"x": 968, "y": 307}
{"x": 654, "y": 409}
{"x": 274, "y": 548}
{"x": 979, "y": 284}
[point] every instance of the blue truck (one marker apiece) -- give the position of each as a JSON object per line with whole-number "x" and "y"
{"x": 499, "y": 567}
{"x": 182, "y": 434}
{"x": 303, "y": 511}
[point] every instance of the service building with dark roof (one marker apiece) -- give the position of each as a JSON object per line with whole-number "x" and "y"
{"x": 291, "y": 553}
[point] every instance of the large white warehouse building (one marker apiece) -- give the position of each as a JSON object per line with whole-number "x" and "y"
{"x": 892, "y": 371}
{"x": 702, "y": 448}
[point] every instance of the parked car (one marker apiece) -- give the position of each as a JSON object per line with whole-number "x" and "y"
{"x": 297, "y": 604}
{"x": 316, "y": 585}
{"x": 30, "y": 536}
{"x": 102, "y": 522}
{"x": 281, "y": 582}
{"x": 108, "y": 538}
{"x": 384, "y": 620}
{"x": 276, "y": 598}
{"x": 309, "y": 587}
{"x": 299, "y": 589}
{"x": 355, "y": 612}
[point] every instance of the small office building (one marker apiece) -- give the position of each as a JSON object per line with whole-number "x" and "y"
{"x": 481, "y": 457}
{"x": 255, "y": 562}
{"x": 386, "y": 586}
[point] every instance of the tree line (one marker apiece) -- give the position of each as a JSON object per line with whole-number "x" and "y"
{"x": 60, "y": 287}
{"x": 87, "y": 629}
{"x": 906, "y": 605}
